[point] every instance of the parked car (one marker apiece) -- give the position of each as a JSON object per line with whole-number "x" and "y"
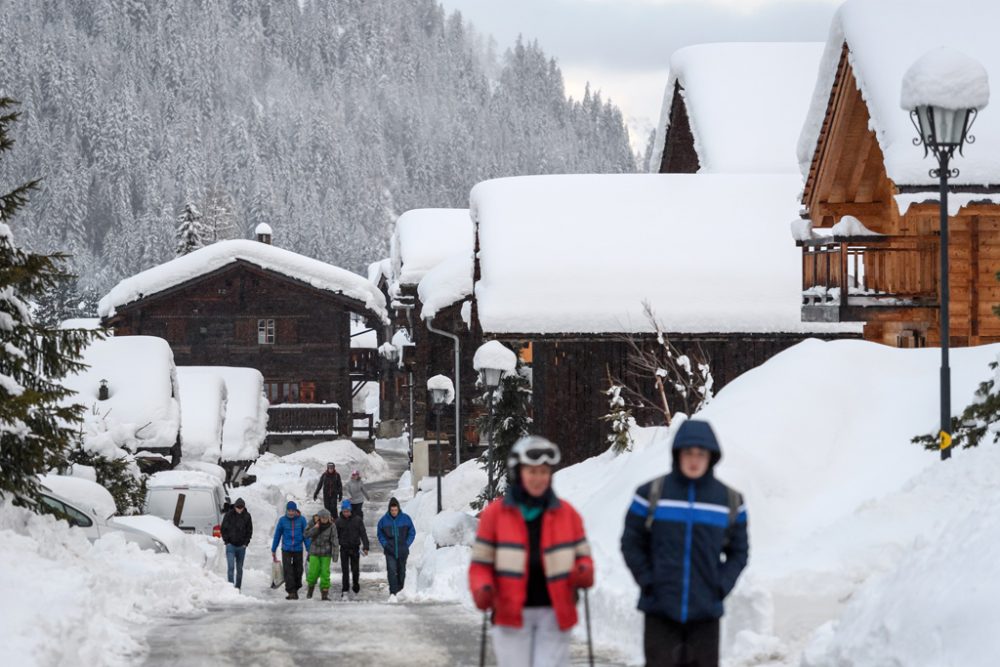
{"x": 205, "y": 500}
{"x": 88, "y": 506}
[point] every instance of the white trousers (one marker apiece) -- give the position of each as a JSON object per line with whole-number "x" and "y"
{"x": 539, "y": 643}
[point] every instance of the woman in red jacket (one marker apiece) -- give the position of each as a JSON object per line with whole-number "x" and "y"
{"x": 530, "y": 556}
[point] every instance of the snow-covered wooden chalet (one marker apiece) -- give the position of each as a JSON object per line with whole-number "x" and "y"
{"x": 870, "y": 237}
{"x": 250, "y": 304}
{"x": 430, "y": 279}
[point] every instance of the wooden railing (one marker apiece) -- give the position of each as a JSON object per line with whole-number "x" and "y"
{"x": 365, "y": 364}
{"x": 882, "y": 271}
{"x": 303, "y": 418}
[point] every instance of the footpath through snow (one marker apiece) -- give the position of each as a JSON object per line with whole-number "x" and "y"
{"x": 865, "y": 550}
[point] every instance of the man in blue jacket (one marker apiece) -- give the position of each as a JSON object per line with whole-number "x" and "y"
{"x": 290, "y": 533}
{"x": 685, "y": 542}
{"x": 396, "y": 533}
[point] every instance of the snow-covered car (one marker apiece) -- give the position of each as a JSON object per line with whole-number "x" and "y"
{"x": 205, "y": 500}
{"x": 89, "y": 506}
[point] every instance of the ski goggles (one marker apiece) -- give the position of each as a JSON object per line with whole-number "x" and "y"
{"x": 536, "y": 452}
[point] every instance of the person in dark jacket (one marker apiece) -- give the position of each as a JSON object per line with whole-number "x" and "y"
{"x": 290, "y": 533}
{"x": 677, "y": 531}
{"x": 237, "y": 529}
{"x": 396, "y": 533}
{"x": 351, "y": 531}
{"x": 332, "y": 487}
{"x": 323, "y": 547}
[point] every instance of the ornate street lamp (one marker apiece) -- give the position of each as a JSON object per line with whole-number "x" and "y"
{"x": 492, "y": 360}
{"x": 442, "y": 393}
{"x": 944, "y": 90}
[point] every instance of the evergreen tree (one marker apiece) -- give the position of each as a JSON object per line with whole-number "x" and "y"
{"x": 189, "y": 230}
{"x": 36, "y": 424}
{"x": 979, "y": 419}
{"x": 619, "y": 417}
{"x": 510, "y": 423}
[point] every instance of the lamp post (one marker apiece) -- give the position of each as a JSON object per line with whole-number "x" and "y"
{"x": 942, "y": 120}
{"x": 491, "y": 361}
{"x": 442, "y": 393}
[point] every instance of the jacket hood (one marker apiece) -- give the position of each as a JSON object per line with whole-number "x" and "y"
{"x": 697, "y": 433}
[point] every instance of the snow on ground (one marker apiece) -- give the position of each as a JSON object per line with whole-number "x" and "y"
{"x": 66, "y": 601}
{"x": 849, "y": 521}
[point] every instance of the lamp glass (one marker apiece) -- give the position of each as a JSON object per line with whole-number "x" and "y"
{"x": 490, "y": 377}
{"x": 942, "y": 127}
{"x": 438, "y": 396}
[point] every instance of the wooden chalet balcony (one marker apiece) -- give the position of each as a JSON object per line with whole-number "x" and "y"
{"x": 859, "y": 279}
{"x": 365, "y": 364}
{"x": 304, "y": 418}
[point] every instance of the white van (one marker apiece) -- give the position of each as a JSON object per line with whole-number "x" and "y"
{"x": 205, "y": 500}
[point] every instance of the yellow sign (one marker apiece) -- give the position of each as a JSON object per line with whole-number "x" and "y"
{"x": 945, "y": 440}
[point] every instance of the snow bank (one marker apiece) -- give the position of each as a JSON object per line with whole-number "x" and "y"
{"x": 203, "y": 412}
{"x": 67, "y": 602}
{"x": 719, "y": 82}
{"x": 806, "y": 483}
{"x": 724, "y": 267}
{"x": 245, "y": 426}
{"x": 454, "y": 529}
{"x": 884, "y": 38}
{"x": 81, "y": 323}
{"x": 211, "y": 258}
{"x": 298, "y": 473}
{"x": 425, "y": 237}
{"x": 142, "y": 411}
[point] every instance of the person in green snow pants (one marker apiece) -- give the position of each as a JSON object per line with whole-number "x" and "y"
{"x": 323, "y": 549}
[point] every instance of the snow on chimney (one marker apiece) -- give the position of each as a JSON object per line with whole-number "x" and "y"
{"x": 263, "y": 233}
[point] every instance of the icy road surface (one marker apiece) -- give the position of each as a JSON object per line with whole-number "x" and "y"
{"x": 365, "y": 631}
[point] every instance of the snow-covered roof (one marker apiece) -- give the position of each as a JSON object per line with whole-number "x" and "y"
{"x": 580, "y": 254}
{"x": 425, "y": 237}
{"x": 378, "y": 270}
{"x": 203, "y": 413}
{"x": 245, "y": 428}
{"x": 885, "y": 38}
{"x": 142, "y": 411}
{"x": 447, "y": 283}
{"x": 745, "y": 103}
{"x": 81, "y": 323}
{"x": 210, "y": 258}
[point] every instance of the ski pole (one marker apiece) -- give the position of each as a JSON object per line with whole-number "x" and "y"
{"x": 586, "y": 610}
{"x": 482, "y": 643}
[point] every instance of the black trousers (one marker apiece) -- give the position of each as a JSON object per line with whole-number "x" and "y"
{"x": 350, "y": 568}
{"x": 672, "y": 644}
{"x": 331, "y": 505}
{"x": 291, "y": 562}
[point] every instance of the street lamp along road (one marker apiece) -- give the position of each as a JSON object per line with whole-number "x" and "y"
{"x": 492, "y": 360}
{"x": 442, "y": 393}
{"x": 944, "y": 91}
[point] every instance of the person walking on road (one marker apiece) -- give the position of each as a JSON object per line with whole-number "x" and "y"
{"x": 530, "y": 558}
{"x": 290, "y": 533}
{"x": 396, "y": 533}
{"x": 355, "y": 491}
{"x": 353, "y": 538}
{"x": 237, "y": 529}
{"x": 677, "y": 531}
{"x": 331, "y": 486}
{"x": 323, "y": 547}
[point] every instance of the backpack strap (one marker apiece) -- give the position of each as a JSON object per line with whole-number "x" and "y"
{"x": 655, "y": 490}
{"x": 735, "y": 501}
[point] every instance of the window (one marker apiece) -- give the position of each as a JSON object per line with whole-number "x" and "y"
{"x": 265, "y": 332}
{"x": 289, "y": 392}
{"x": 307, "y": 392}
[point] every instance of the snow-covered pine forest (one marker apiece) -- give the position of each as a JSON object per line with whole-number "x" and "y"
{"x": 325, "y": 119}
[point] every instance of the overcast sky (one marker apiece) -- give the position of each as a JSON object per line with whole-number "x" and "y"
{"x": 623, "y": 47}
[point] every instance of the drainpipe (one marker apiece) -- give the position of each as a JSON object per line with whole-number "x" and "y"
{"x": 458, "y": 387}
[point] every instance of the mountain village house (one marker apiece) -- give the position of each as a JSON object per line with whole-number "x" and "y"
{"x": 871, "y": 235}
{"x": 250, "y": 304}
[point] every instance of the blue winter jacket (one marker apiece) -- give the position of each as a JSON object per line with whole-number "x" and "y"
{"x": 291, "y": 534}
{"x": 690, "y": 558}
{"x": 396, "y": 535}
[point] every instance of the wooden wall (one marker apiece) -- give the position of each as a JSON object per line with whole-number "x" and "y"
{"x": 212, "y": 321}
{"x": 679, "y": 155}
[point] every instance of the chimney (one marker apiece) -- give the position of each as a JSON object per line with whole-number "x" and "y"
{"x": 263, "y": 233}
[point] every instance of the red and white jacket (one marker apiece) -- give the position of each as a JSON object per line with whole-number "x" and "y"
{"x": 500, "y": 559}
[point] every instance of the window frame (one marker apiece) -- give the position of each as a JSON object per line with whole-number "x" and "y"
{"x": 266, "y": 331}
